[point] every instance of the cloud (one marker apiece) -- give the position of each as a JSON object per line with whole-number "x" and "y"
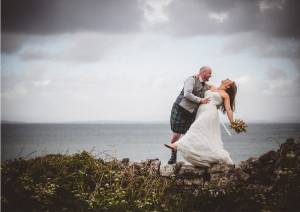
{"x": 63, "y": 16}
{"x": 265, "y": 5}
{"x": 77, "y": 61}
{"x": 78, "y": 47}
{"x": 267, "y": 19}
{"x": 267, "y": 27}
{"x": 241, "y": 16}
{"x": 40, "y": 92}
{"x": 276, "y": 98}
{"x": 11, "y": 42}
{"x": 154, "y": 11}
{"x": 264, "y": 47}
{"x": 23, "y": 21}
{"x": 276, "y": 74}
{"x": 218, "y": 17}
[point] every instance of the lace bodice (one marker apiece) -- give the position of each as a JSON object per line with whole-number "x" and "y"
{"x": 215, "y": 97}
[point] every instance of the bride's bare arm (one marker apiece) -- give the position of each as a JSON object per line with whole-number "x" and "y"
{"x": 228, "y": 107}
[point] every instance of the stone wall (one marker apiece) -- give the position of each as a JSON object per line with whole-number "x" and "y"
{"x": 261, "y": 169}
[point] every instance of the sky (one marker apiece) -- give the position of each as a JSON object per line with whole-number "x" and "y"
{"x": 117, "y": 60}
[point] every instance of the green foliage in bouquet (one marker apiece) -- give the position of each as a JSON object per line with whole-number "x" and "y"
{"x": 238, "y": 126}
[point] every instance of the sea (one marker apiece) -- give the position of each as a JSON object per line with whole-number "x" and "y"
{"x": 136, "y": 141}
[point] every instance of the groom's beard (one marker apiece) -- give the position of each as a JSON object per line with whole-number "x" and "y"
{"x": 206, "y": 80}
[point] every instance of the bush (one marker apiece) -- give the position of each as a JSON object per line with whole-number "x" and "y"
{"x": 78, "y": 182}
{"x": 82, "y": 182}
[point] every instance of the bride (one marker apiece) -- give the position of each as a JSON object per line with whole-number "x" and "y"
{"x": 202, "y": 144}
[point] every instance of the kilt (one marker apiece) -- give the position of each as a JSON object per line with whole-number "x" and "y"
{"x": 181, "y": 119}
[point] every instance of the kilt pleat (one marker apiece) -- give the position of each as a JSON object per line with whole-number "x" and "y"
{"x": 181, "y": 119}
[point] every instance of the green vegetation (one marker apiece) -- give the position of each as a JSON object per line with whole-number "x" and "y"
{"x": 78, "y": 182}
{"x": 81, "y": 182}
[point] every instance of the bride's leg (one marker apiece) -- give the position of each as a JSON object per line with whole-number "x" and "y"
{"x": 174, "y": 145}
{"x": 175, "y": 137}
{"x": 173, "y": 158}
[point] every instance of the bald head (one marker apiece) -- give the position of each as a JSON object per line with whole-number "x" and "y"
{"x": 204, "y": 68}
{"x": 205, "y": 72}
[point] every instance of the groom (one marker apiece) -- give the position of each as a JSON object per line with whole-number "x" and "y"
{"x": 185, "y": 107}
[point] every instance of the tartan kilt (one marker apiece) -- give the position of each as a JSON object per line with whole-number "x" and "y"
{"x": 181, "y": 119}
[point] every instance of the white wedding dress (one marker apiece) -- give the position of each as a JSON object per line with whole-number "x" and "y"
{"x": 202, "y": 144}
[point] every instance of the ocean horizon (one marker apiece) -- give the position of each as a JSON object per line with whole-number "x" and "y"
{"x": 131, "y": 122}
{"x": 134, "y": 140}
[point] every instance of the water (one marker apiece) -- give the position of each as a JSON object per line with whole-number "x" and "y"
{"x": 135, "y": 141}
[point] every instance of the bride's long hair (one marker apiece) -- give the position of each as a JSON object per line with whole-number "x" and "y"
{"x": 231, "y": 91}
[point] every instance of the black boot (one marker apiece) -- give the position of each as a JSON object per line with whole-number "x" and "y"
{"x": 173, "y": 158}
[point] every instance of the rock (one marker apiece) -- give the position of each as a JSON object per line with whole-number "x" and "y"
{"x": 241, "y": 175}
{"x": 287, "y": 146}
{"x": 125, "y": 161}
{"x": 248, "y": 164}
{"x": 193, "y": 182}
{"x": 179, "y": 182}
{"x": 216, "y": 176}
{"x": 167, "y": 170}
{"x": 154, "y": 166}
{"x": 264, "y": 170}
{"x": 137, "y": 167}
{"x": 178, "y": 166}
{"x": 220, "y": 168}
{"x": 289, "y": 152}
{"x": 219, "y": 179}
{"x": 269, "y": 157}
{"x": 189, "y": 171}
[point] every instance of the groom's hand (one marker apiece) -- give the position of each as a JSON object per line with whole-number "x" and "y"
{"x": 204, "y": 101}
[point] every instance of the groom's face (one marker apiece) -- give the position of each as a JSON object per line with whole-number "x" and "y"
{"x": 207, "y": 75}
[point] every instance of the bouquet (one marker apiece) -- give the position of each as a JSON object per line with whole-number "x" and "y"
{"x": 238, "y": 125}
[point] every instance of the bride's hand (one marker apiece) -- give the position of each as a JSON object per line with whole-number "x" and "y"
{"x": 204, "y": 101}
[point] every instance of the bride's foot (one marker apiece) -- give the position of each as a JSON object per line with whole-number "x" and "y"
{"x": 170, "y": 147}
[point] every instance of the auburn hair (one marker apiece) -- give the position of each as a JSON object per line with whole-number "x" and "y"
{"x": 231, "y": 91}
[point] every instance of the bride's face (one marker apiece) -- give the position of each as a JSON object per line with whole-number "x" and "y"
{"x": 226, "y": 83}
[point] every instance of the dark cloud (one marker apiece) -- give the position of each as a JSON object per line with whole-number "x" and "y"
{"x": 11, "y": 42}
{"x": 271, "y": 24}
{"x": 23, "y": 21}
{"x": 64, "y": 16}
{"x": 263, "y": 45}
{"x": 269, "y": 27}
{"x": 279, "y": 18}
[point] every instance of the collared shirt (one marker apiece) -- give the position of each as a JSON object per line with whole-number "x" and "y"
{"x": 188, "y": 89}
{"x": 192, "y": 93}
{"x": 200, "y": 78}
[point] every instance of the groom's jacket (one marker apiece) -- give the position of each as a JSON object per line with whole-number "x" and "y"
{"x": 192, "y": 93}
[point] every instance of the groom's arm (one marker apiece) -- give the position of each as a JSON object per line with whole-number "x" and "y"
{"x": 188, "y": 90}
